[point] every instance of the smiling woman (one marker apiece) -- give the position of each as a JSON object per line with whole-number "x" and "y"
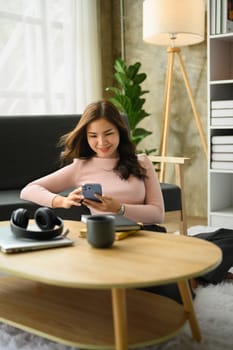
{"x": 99, "y": 150}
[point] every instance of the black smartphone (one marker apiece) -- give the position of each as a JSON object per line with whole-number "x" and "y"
{"x": 89, "y": 190}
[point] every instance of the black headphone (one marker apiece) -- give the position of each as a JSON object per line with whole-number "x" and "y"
{"x": 45, "y": 219}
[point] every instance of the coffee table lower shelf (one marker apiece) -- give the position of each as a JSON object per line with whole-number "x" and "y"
{"x": 83, "y": 317}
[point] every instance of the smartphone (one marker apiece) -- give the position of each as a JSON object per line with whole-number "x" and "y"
{"x": 89, "y": 190}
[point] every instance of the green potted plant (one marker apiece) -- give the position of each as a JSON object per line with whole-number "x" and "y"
{"x": 127, "y": 97}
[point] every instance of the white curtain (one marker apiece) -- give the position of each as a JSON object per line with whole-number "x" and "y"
{"x": 49, "y": 56}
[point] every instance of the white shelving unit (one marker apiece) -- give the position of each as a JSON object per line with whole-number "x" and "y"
{"x": 220, "y": 87}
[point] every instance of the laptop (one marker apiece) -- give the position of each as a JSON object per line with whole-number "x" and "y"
{"x": 12, "y": 244}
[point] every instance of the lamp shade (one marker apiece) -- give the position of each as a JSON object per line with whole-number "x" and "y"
{"x": 173, "y": 22}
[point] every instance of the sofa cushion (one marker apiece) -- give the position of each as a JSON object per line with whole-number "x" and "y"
{"x": 171, "y": 196}
{"x": 10, "y": 201}
{"x": 29, "y": 147}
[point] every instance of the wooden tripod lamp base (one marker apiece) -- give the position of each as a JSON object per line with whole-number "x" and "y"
{"x": 167, "y": 104}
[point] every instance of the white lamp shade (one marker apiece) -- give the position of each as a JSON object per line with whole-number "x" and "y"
{"x": 183, "y": 20}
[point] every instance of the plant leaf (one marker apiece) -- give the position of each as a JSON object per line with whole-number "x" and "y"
{"x": 141, "y": 132}
{"x": 133, "y": 70}
{"x": 120, "y": 66}
{"x": 115, "y": 90}
{"x": 122, "y": 79}
{"x": 140, "y": 78}
{"x": 133, "y": 91}
{"x": 123, "y": 103}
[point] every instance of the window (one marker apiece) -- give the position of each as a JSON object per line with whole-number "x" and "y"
{"x": 49, "y": 56}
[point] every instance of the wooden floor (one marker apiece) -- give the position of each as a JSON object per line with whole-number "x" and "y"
{"x": 172, "y": 222}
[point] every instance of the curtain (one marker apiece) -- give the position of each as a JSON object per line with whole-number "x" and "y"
{"x": 50, "y": 56}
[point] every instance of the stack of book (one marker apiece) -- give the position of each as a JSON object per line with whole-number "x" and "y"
{"x": 222, "y": 152}
{"x": 221, "y": 16}
{"x": 221, "y": 113}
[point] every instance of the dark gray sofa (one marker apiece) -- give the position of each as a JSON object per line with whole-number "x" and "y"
{"x": 28, "y": 150}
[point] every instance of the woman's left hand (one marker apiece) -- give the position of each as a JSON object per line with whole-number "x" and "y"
{"x": 107, "y": 204}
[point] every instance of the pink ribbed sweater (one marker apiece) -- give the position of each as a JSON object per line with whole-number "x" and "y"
{"x": 143, "y": 199}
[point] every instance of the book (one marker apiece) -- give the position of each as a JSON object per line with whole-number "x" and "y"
{"x": 212, "y": 16}
{"x": 222, "y": 121}
{"x": 229, "y": 26}
{"x": 119, "y": 235}
{"x": 222, "y": 112}
{"x": 222, "y": 148}
{"x": 218, "y": 17}
{"x": 224, "y": 16}
{"x": 121, "y": 223}
{"x": 222, "y": 165}
{"x": 222, "y": 156}
{"x": 222, "y": 139}
{"x": 221, "y": 104}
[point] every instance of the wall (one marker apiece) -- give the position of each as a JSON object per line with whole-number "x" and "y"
{"x": 184, "y": 139}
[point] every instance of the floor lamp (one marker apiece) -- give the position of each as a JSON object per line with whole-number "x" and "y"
{"x": 173, "y": 24}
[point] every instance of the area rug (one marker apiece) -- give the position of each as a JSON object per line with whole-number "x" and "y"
{"x": 214, "y": 309}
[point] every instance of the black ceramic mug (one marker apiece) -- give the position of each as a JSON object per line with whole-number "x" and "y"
{"x": 101, "y": 231}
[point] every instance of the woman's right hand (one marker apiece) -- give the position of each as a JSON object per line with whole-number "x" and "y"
{"x": 74, "y": 198}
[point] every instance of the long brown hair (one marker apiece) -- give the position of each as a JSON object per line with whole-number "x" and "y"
{"x": 76, "y": 145}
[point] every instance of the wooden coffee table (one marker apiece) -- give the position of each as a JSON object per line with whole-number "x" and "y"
{"x": 86, "y": 297}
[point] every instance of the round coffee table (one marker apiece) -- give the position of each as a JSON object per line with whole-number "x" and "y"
{"x": 87, "y": 297}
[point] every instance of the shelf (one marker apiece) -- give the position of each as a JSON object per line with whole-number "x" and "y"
{"x": 219, "y": 219}
{"x": 224, "y": 37}
{"x": 220, "y": 192}
{"x": 221, "y": 90}
{"x": 215, "y": 127}
{"x": 83, "y": 318}
{"x": 221, "y": 171}
{"x": 225, "y": 211}
{"x": 220, "y": 81}
{"x": 221, "y": 54}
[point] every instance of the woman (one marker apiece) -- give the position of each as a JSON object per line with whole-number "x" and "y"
{"x": 99, "y": 150}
